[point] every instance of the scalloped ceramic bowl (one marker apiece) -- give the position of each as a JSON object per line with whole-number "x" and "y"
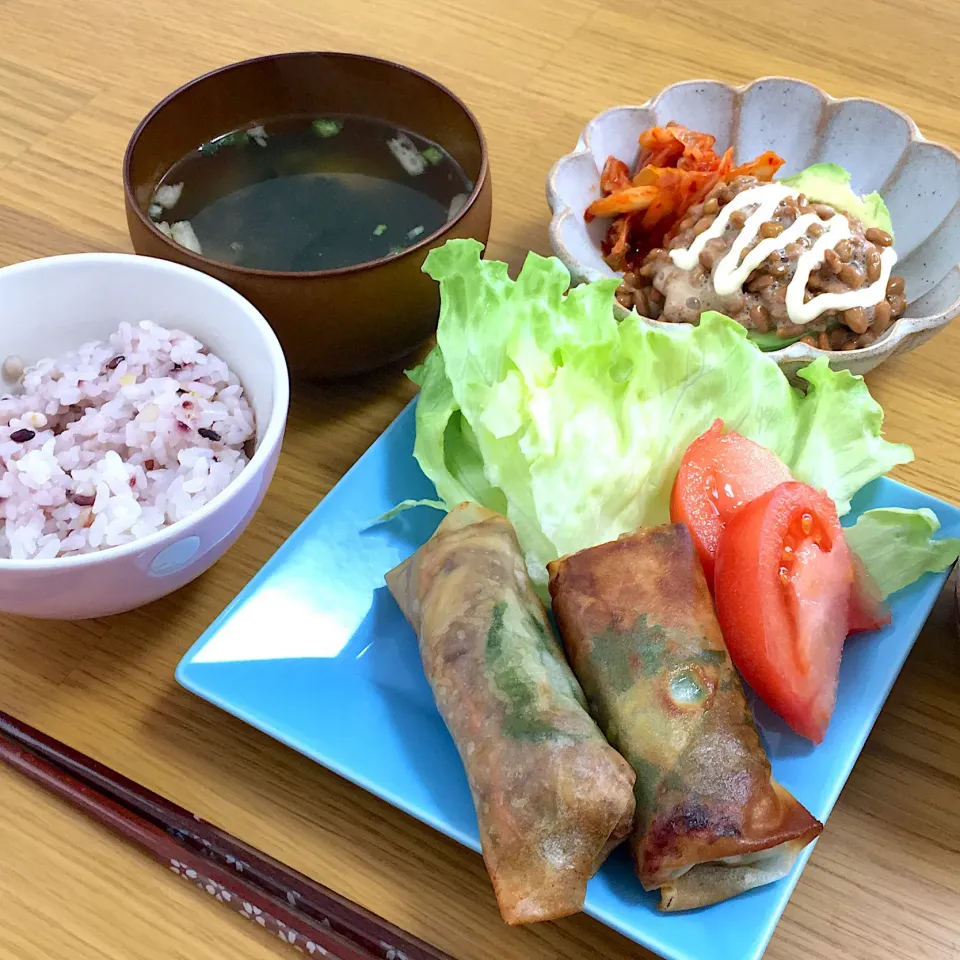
{"x": 881, "y": 147}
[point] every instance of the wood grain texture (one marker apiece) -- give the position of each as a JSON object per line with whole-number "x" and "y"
{"x": 74, "y": 80}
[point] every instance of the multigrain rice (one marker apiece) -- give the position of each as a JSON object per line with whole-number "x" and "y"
{"x": 111, "y": 443}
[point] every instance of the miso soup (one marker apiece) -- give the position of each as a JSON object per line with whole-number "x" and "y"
{"x": 309, "y": 193}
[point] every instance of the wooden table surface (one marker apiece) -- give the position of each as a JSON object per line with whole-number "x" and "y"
{"x": 75, "y": 78}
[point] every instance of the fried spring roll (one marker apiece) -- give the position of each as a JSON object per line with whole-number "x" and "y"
{"x": 553, "y": 798}
{"x": 639, "y": 628}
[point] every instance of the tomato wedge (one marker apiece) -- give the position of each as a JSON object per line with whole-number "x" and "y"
{"x": 783, "y": 580}
{"x": 868, "y": 609}
{"x": 719, "y": 473}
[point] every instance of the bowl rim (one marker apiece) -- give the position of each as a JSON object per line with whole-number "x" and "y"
{"x": 269, "y": 438}
{"x": 795, "y": 353}
{"x": 424, "y": 241}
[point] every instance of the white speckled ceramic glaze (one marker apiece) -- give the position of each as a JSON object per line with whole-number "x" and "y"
{"x": 882, "y": 149}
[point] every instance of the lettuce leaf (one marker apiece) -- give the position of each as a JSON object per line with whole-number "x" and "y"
{"x": 537, "y": 403}
{"x": 897, "y": 548}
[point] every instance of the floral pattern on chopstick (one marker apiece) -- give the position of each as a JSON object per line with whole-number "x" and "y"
{"x": 392, "y": 953}
{"x": 276, "y": 886}
{"x": 250, "y": 911}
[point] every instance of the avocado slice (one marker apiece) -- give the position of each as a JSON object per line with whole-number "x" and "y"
{"x": 830, "y": 183}
{"x": 770, "y": 341}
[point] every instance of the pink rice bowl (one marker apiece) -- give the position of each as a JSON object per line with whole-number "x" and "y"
{"x": 142, "y": 407}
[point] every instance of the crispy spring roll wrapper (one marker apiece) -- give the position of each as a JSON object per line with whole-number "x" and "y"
{"x": 639, "y": 628}
{"x": 553, "y": 798}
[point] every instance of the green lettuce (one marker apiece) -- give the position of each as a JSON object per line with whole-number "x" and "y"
{"x": 537, "y": 403}
{"x": 896, "y": 545}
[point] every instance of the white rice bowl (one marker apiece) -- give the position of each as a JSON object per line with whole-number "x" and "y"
{"x": 115, "y": 441}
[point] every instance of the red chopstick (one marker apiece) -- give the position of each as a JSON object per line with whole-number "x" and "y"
{"x": 300, "y": 911}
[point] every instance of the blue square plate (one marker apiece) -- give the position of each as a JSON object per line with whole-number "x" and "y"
{"x": 315, "y": 652}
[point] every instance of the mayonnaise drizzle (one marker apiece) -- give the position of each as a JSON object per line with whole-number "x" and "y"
{"x": 730, "y": 274}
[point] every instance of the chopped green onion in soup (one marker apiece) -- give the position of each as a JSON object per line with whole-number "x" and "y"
{"x": 433, "y": 155}
{"x": 327, "y": 126}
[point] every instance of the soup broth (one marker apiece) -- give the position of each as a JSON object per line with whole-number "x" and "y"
{"x": 310, "y": 193}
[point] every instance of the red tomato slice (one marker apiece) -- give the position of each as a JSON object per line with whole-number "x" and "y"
{"x": 719, "y": 473}
{"x": 784, "y": 575}
{"x": 868, "y": 609}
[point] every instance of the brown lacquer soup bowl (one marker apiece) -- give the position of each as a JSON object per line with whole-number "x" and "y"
{"x": 334, "y": 322}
